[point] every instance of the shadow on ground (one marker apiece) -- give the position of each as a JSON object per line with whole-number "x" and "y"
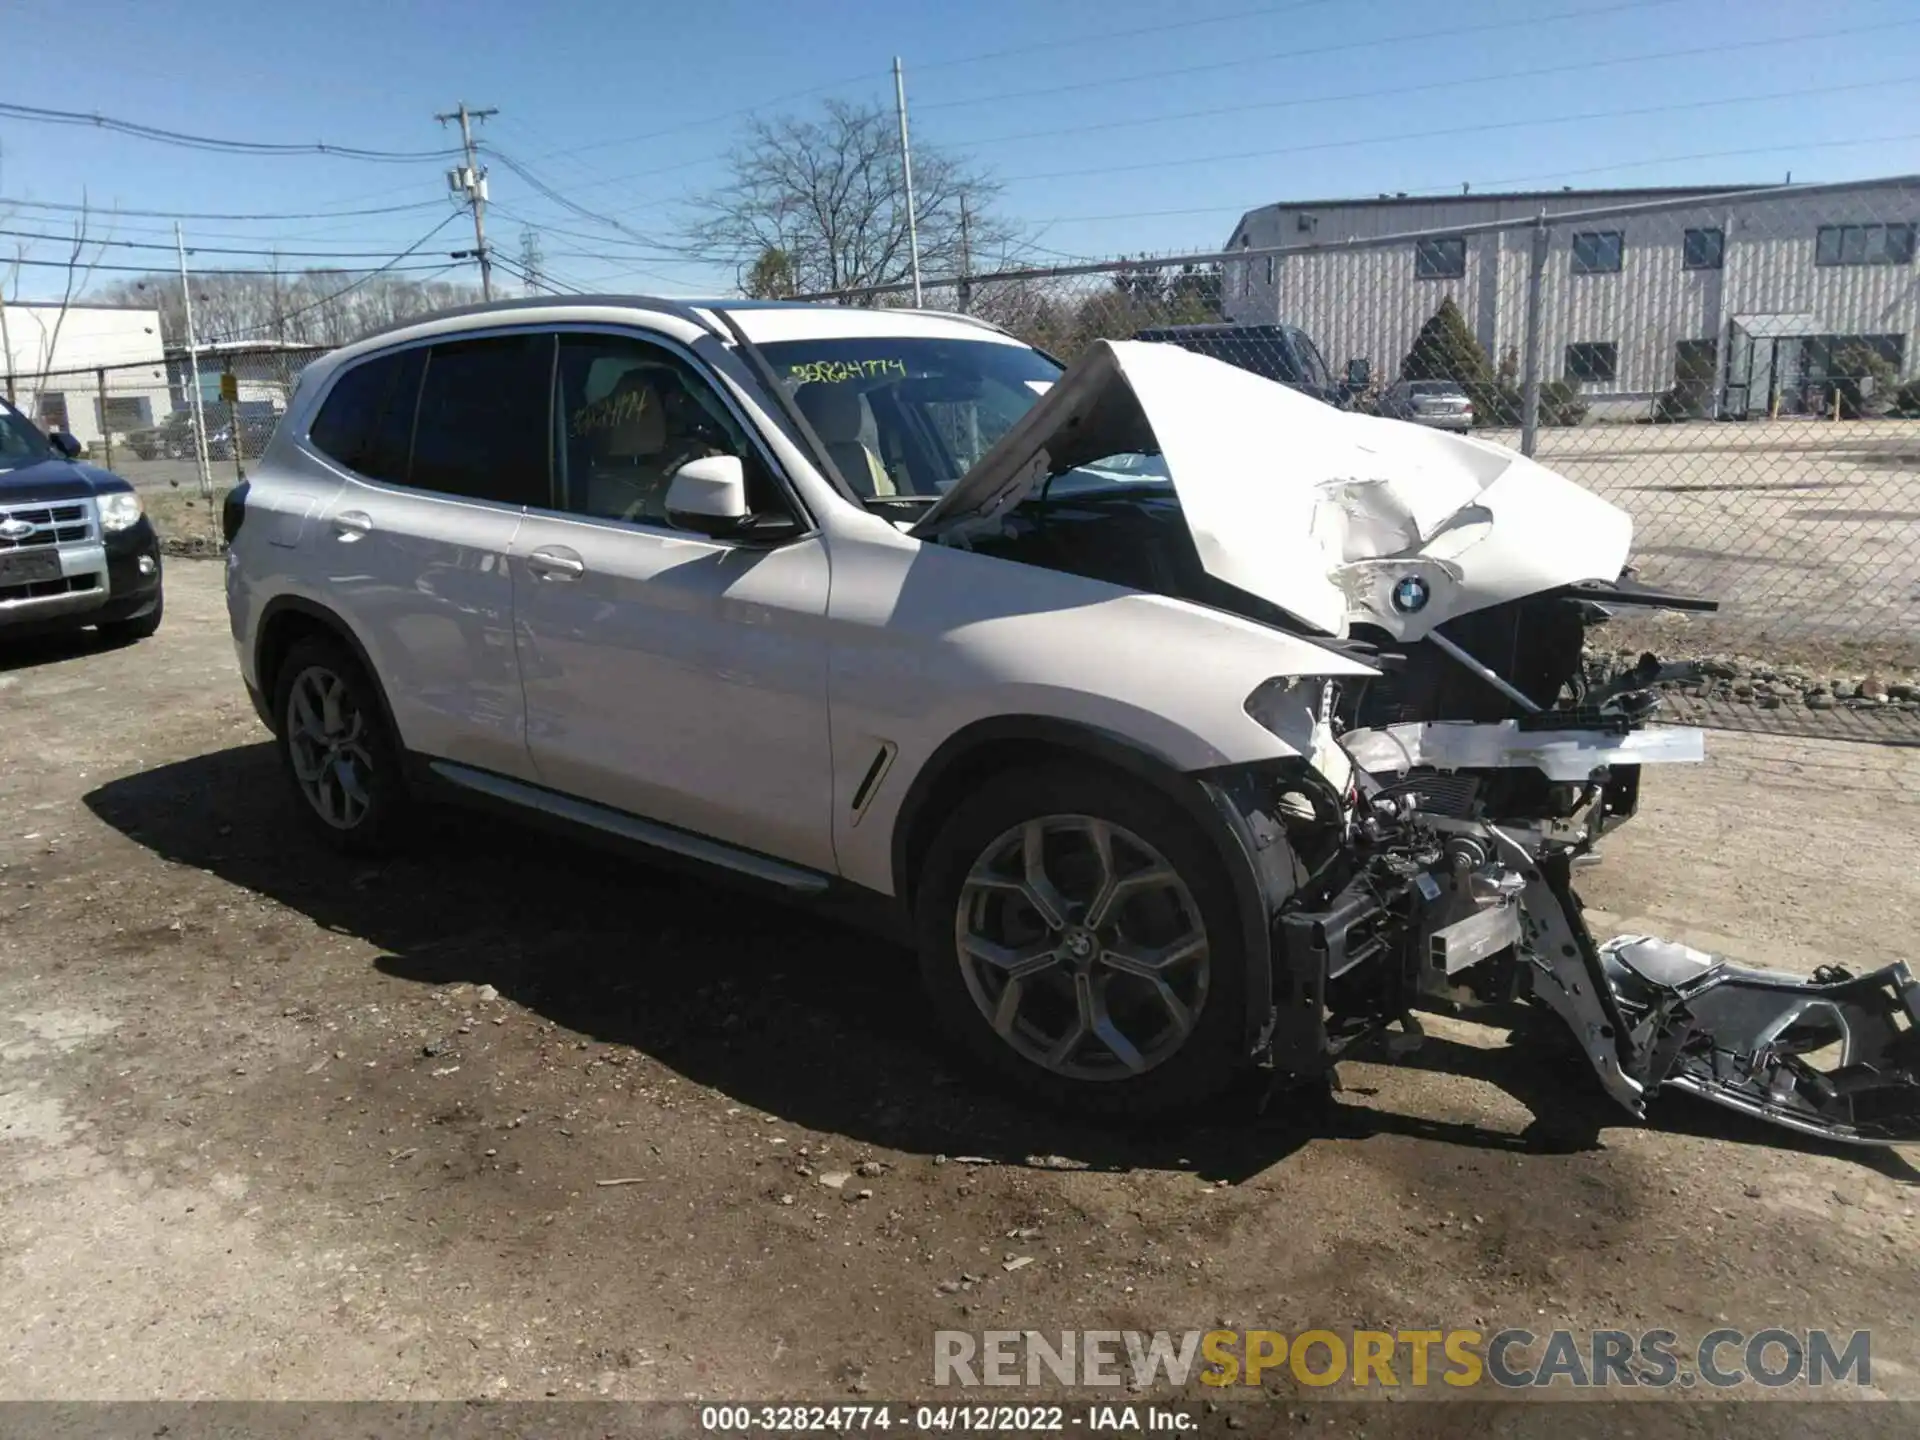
{"x": 781, "y": 1010}
{"x": 32, "y": 651}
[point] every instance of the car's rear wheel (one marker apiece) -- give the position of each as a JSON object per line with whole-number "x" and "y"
{"x": 342, "y": 760}
{"x": 1078, "y": 937}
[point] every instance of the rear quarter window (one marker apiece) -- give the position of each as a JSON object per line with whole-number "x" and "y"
{"x": 366, "y": 421}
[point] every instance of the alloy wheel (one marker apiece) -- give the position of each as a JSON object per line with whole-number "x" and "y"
{"x": 1082, "y": 947}
{"x": 327, "y": 743}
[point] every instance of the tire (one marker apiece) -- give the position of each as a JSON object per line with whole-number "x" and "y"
{"x": 341, "y": 760}
{"x": 141, "y": 627}
{"x": 1072, "y": 976}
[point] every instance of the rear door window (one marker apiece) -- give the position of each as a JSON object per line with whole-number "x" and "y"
{"x": 483, "y": 427}
{"x": 366, "y": 421}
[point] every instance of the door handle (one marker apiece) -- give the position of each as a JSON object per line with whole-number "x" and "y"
{"x": 350, "y": 525}
{"x": 556, "y": 562}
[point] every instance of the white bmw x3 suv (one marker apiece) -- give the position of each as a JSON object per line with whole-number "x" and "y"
{"x": 1179, "y": 721}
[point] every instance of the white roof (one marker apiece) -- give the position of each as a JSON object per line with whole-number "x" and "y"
{"x": 768, "y": 324}
{"x": 761, "y": 321}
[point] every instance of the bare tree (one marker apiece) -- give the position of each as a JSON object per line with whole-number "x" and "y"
{"x": 6, "y": 332}
{"x": 827, "y": 195}
{"x": 76, "y": 276}
{"x": 314, "y": 307}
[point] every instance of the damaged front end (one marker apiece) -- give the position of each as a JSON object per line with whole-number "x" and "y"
{"x": 1481, "y": 764}
{"x": 1451, "y": 912}
{"x": 1462, "y": 900}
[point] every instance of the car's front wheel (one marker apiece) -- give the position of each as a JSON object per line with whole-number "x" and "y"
{"x": 336, "y": 748}
{"x": 1078, "y": 937}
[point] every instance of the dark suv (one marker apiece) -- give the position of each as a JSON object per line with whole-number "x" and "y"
{"x": 1277, "y": 352}
{"x": 75, "y": 547}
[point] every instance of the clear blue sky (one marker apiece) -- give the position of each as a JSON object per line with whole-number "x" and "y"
{"x": 627, "y": 107}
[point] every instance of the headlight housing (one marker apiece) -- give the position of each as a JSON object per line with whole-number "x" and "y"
{"x": 119, "y": 510}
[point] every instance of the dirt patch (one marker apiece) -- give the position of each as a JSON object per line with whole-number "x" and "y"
{"x": 189, "y": 524}
{"x": 287, "y": 1125}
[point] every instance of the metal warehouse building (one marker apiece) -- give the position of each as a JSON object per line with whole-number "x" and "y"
{"x": 1756, "y": 291}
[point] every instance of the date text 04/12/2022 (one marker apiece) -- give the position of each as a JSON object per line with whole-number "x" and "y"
{"x": 938, "y": 1419}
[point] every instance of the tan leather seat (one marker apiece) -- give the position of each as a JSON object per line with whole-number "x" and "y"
{"x": 626, "y": 451}
{"x": 840, "y": 417}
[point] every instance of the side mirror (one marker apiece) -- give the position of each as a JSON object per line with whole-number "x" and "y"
{"x": 1359, "y": 374}
{"x": 709, "y": 496}
{"x": 65, "y": 444}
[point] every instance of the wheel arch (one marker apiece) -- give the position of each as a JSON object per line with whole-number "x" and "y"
{"x": 285, "y": 621}
{"x": 1003, "y": 742}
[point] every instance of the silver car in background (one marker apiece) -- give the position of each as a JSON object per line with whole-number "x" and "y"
{"x": 1439, "y": 403}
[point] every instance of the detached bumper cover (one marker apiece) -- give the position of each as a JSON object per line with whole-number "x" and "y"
{"x": 1837, "y": 1055}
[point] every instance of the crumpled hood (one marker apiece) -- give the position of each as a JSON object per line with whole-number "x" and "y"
{"x": 1328, "y": 515}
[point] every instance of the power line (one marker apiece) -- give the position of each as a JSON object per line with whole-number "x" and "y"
{"x": 163, "y": 136}
{"x": 1499, "y": 76}
{"x": 150, "y": 270}
{"x": 724, "y": 115}
{"x": 1485, "y": 189}
{"x": 368, "y": 278}
{"x": 550, "y": 229}
{"x": 678, "y": 166}
{"x": 561, "y": 200}
{"x": 90, "y": 209}
{"x": 1081, "y": 41}
{"x": 1430, "y": 133}
{"x": 1450, "y": 32}
{"x": 515, "y": 271}
{"x": 208, "y": 249}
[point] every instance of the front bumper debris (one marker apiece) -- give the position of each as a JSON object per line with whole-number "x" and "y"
{"x": 1755, "y": 1040}
{"x": 1457, "y": 913}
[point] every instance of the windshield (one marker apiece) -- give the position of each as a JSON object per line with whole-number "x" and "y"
{"x": 21, "y": 442}
{"x": 905, "y": 418}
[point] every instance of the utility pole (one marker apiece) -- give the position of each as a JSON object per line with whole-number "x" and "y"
{"x": 966, "y": 257}
{"x": 193, "y": 368}
{"x": 906, "y": 174}
{"x": 471, "y": 181}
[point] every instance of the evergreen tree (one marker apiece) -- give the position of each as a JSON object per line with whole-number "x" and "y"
{"x": 1445, "y": 349}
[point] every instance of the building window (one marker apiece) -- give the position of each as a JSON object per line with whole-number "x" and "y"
{"x": 1440, "y": 259}
{"x": 119, "y": 414}
{"x": 1704, "y": 250}
{"x": 1592, "y": 360}
{"x": 1864, "y": 245}
{"x": 51, "y": 406}
{"x": 1597, "y": 252}
{"x": 1273, "y": 269}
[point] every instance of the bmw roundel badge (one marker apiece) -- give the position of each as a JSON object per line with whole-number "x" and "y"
{"x": 1410, "y": 594}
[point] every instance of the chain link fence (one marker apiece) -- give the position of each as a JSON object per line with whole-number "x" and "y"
{"x": 181, "y": 429}
{"x": 1735, "y": 368}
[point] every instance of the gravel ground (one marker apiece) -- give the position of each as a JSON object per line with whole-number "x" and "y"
{"x": 279, "y": 1125}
